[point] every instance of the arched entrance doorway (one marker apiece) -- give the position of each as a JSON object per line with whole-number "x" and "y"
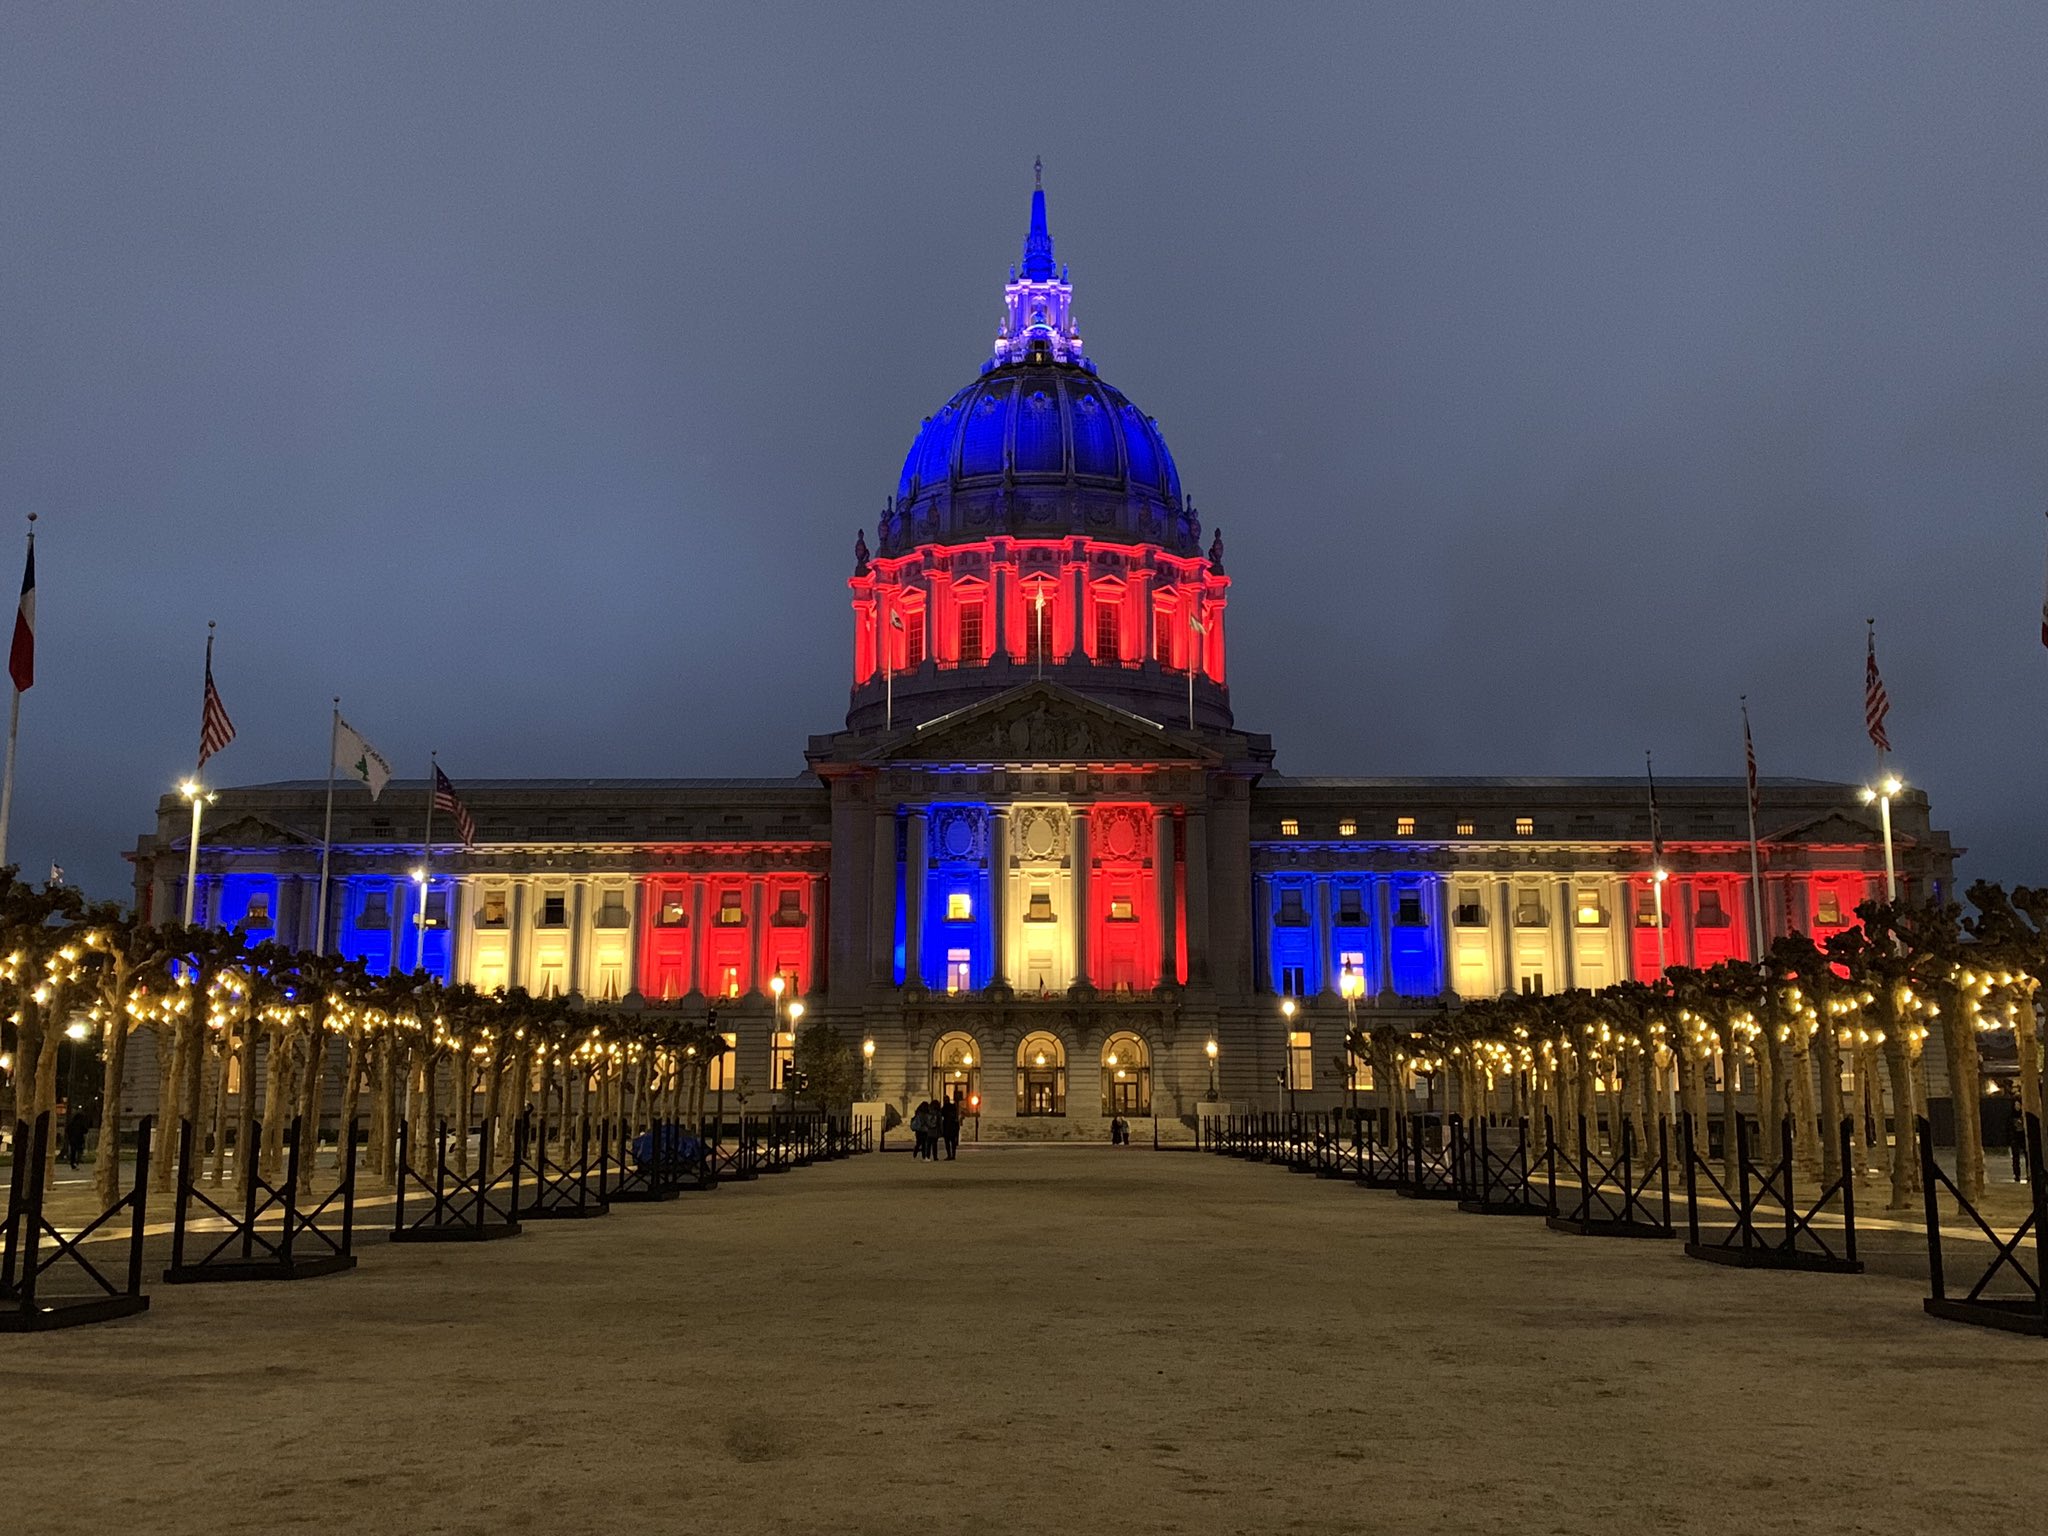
{"x": 1041, "y": 1074}
{"x": 1126, "y": 1075}
{"x": 956, "y": 1071}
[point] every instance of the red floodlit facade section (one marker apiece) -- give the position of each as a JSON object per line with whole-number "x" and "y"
{"x": 1123, "y": 898}
{"x": 965, "y": 605}
{"x": 1706, "y": 917}
{"x": 727, "y": 932}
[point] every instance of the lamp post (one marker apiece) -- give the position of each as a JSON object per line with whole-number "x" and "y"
{"x": 776, "y": 985}
{"x": 796, "y": 1011}
{"x": 1657, "y": 878}
{"x": 1352, "y": 984}
{"x": 419, "y": 954}
{"x": 867, "y": 1068}
{"x": 201, "y": 797}
{"x": 1210, "y": 1051}
{"x": 1887, "y": 788}
{"x": 1287, "y": 1051}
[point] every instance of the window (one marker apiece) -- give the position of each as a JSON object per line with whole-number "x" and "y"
{"x": 784, "y": 1059}
{"x": 959, "y": 971}
{"x": 1361, "y": 1074}
{"x": 721, "y": 1074}
{"x": 1038, "y": 970}
{"x": 1525, "y": 826}
{"x": 1121, "y": 910}
{"x": 1465, "y": 829}
{"x": 437, "y": 909}
{"x": 1408, "y": 911}
{"x": 729, "y": 913}
{"x": 913, "y": 638}
{"x": 1293, "y": 980}
{"x": 1532, "y": 984}
{"x": 554, "y": 911}
{"x": 1529, "y": 908}
{"x": 1351, "y": 973}
{"x": 1301, "y": 1060}
{"x": 1350, "y": 905}
{"x": 1038, "y": 627}
{"x": 1347, "y": 827}
{"x": 1039, "y": 908}
{"x": 612, "y": 912}
{"x": 1711, "y": 913}
{"x": 789, "y": 910}
{"x": 673, "y": 913}
{"x": 1404, "y": 826}
{"x": 1289, "y": 827}
{"x": 1291, "y": 911}
{"x": 959, "y": 907}
{"x": 971, "y": 651}
{"x": 729, "y": 980}
{"x": 491, "y": 910}
{"x": 376, "y": 911}
{"x": 1827, "y": 906}
{"x": 1588, "y": 912}
{"x": 1646, "y": 908}
{"x": 1108, "y": 632}
{"x": 1162, "y": 635}
{"x": 1471, "y": 912}
{"x": 257, "y": 913}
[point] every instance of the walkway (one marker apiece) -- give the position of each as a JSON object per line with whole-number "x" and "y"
{"x": 1030, "y": 1339}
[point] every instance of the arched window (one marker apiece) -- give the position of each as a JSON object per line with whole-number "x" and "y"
{"x": 1041, "y": 1075}
{"x": 956, "y": 1071}
{"x": 1126, "y": 1075}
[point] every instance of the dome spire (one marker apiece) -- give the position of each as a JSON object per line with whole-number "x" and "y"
{"x": 1038, "y": 320}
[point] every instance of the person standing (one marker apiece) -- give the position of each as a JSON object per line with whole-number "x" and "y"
{"x": 75, "y": 1130}
{"x": 949, "y": 1125}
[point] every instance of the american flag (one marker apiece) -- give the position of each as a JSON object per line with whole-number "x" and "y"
{"x": 1656, "y": 821}
{"x": 444, "y": 800}
{"x": 1749, "y": 757}
{"x": 216, "y": 730}
{"x": 1876, "y": 704}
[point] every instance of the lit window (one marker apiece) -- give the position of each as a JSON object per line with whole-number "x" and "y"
{"x": 1039, "y": 908}
{"x": 1347, "y": 828}
{"x": 1525, "y": 826}
{"x": 720, "y": 1074}
{"x": 1590, "y": 914}
{"x": 959, "y": 907}
{"x": 1827, "y": 907}
{"x": 1301, "y": 1060}
{"x": 1121, "y": 910}
{"x": 1404, "y": 826}
{"x": 554, "y": 911}
{"x": 1465, "y": 829}
{"x": 1529, "y": 909}
{"x": 959, "y": 971}
{"x": 1351, "y": 973}
{"x": 785, "y": 1058}
{"x": 1289, "y": 827}
{"x": 1646, "y": 909}
{"x": 971, "y": 653}
{"x": 729, "y": 913}
{"x": 730, "y": 985}
{"x": 1361, "y": 1074}
{"x": 673, "y": 914}
{"x": 492, "y": 913}
{"x": 258, "y": 911}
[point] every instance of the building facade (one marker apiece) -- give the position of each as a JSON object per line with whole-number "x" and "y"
{"x": 1041, "y": 868}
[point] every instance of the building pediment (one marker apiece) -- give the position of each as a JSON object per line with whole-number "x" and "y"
{"x": 249, "y": 830}
{"x": 1833, "y": 828}
{"x": 1040, "y": 723}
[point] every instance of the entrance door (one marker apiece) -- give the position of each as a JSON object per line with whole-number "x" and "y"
{"x": 1041, "y": 1093}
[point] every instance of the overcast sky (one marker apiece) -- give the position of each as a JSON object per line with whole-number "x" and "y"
{"x": 521, "y": 374}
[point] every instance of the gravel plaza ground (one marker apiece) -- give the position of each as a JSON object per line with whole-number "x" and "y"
{"x": 1031, "y": 1339}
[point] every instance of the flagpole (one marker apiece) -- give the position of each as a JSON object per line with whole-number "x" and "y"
{"x": 426, "y": 857}
{"x": 327, "y": 830}
{"x": 1756, "y": 879}
{"x": 13, "y": 730}
{"x": 197, "y": 793}
{"x": 1656, "y": 868}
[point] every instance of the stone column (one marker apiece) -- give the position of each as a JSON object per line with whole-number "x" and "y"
{"x": 1383, "y": 929}
{"x": 757, "y": 933}
{"x": 579, "y": 941}
{"x": 844, "y": 966}
{"x": 1077, "y": 863}
{"x": 1318, "y": 979}
{"x": 1683, "y": 953}
{"x": 999, "y": 895}
{"x": 1566, "y": 929}
{"x": 882, "y": 901}
{"x": 1262, "y": 925}
{"x": 1198, "y": 896}
{"x": 1162, "y": 871}
{"x": 1441, "y": 906}
{"x": 915, "y": 858}
{"x": 818, "y": 912}
{"x": 518, "y": 946}
{"x": 700, "y": 939}
{"x": 1504, "y": 889}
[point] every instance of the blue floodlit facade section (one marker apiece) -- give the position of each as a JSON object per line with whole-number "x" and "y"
{"x": 242, "y": 901}
{"x": 377, "y": 914}
{"x": 1386, "y": 924}
{"x": 950, "y": 882}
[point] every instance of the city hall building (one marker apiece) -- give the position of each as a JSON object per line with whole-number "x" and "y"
{"x": 1042, "y": 866}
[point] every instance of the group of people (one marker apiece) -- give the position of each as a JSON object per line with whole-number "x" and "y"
{"x": 935, "y": 1125}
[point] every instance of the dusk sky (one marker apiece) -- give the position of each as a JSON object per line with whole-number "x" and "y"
{"x": 1557, "y": 374}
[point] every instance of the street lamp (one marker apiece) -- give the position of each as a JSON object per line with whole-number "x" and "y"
{"x": 1887, "y": 789}
{"x": 201, "y": 797}
{"x": 1210, "y": 1051}
{"x": 1287, "y": 1051}
{"x": 795, "y": 1012}
{"x": 1351, "y": 983}
{"x": 419, "y": 880}
{"x": 867, "y": 1068}
{"x": 776, "y": 985}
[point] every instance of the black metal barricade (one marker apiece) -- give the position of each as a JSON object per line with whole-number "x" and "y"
{"x": 557, "y": 1188}
{"x": 739, "y": 1157}
{"x": 629, "y": 1166}
{"x": 1498, "y": 1181}
{"x": 477, "y": 1207}
{"x": 272, "y": 1237}
{"x": 28, "y": 1304}
{"x": 1610, "y": 1200}
{"x": 1773, "y": 1226}
{"x": 2022, "y": 1311}
{"x": 1381, "y": 1156}
{"x": 1426, "y": 1172}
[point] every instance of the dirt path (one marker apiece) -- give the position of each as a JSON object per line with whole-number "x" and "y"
{"x": 1031, "y": 1339}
